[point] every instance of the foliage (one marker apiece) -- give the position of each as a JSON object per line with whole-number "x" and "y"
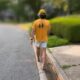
{"x": 35, "y": 5}
{"x": 28, "y": 9}
{"x": 3, "y": 4}
{"x": 74, "y": 6}
{"x": 56, "y": 41}
{"x": 49, "y": 9}
{"x": 67, "y": 27}
{"x": 61, "y": 6}
{"x": 24, "y": 9}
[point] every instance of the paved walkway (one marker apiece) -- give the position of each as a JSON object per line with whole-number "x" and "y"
{"x": 68, "y": 57}
{"x": 17, "y": 60}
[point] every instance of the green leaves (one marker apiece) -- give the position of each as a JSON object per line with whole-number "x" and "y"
{"x": 67, "y": 27}
{"x": 4, "y": 4}
{"x": 56, "y": 41}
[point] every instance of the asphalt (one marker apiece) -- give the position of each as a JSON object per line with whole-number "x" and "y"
{"x": 68, "y": 58}
{"x": 17, "y": 59}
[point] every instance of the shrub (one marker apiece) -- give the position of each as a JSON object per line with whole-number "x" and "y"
{"x": 56, "y": 41}
{"x": 67, "y": 27}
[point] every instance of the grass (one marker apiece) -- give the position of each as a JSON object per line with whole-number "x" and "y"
{"x": 66, "y": 66}
{"x": 69, "y": 66}
{"x": 25, "y": 26}
{"x": 56, "y": 41}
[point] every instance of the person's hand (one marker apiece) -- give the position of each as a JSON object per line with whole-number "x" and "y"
{"x": 31, "y": 40}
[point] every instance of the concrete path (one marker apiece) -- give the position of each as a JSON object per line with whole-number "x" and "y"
{"x": 17, "y": 60}
{"x": 68, "y": 57}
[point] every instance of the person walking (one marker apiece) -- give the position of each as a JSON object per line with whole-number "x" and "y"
{"x": 39, "y": 36}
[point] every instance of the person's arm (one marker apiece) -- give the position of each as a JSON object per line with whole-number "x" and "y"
{"x": 32, "y": 33}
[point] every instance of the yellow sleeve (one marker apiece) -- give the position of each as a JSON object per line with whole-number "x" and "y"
{"x": 33, "y": 30}
{"x": 34, "y": 26}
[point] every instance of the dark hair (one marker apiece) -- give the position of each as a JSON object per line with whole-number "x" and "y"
{"x": 42, "y": 16}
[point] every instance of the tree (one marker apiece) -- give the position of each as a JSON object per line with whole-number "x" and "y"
{"x": 49, "y": 9}
{"x": 61, "y": 6}
{"x": 74, "y": 6}
{"x": 35, "y": 5}
{"x": 4, "y": 4}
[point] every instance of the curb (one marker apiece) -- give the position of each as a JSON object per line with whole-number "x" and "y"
{"x": 55, "y": 67}
{"x": 42, "y": 74}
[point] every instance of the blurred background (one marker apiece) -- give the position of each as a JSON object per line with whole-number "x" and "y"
{"x": 26, "y": 10}
{"x": 64, "y": 16}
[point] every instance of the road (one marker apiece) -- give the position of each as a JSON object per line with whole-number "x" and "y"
{"x": 17, "y": 60}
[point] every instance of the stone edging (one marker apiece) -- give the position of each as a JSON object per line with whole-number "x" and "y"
{"x": 55, "y": 66}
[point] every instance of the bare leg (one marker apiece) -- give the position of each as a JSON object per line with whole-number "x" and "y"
{"x": 34, "y": 47}
{"x": 37, "y": 53}
{"x": 43, "y": 51}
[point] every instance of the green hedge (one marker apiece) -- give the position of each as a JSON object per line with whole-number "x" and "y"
{"x": 67, "y": 27}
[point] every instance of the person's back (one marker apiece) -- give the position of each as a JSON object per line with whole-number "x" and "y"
{"x": 42, "y": 27}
